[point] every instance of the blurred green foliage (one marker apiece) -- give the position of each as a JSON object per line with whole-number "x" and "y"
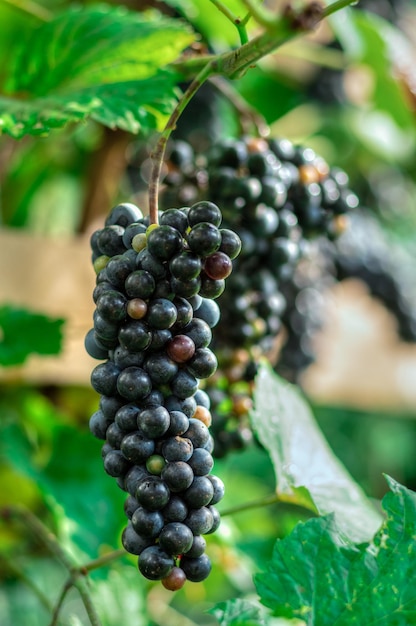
{"x": 49, "y": 462}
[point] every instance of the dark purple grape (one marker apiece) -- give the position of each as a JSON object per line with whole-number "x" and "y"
{"x": 198, "y": 547}
{"x": 135, "y": 336}
{"x": 154, "y": 422}
{"x": 163, "y": 242}
{"x": 147, "y": 523}
{"x": 104, "y": 378}
{"x": 175, "y": 510}
{"x": 175, "y": 538}
{"x": 185, "y": 265}
{"x": 177, "y": 475}
{"x": 161, "y": 314}
{"x": 140, "y": 284}
{"x": 199, "y": 493}
{"x": 134, "y": 383}
{"x": 123, "y": 215}
{"x": 137, "y": 448}
{"x": 196, "y": 569}
{"x": 203, "y": 364}
{"x": 204, "y": 212}
{"x": 153, "y": 494}
{"x": 115, "y": 464}
{"x": 155, "y": 564}
{"x": 132, "y": 542}
{"x": 98, "y": 424}
{"x": 204, "y": 239}
{"x": 112, "y": 306}
{"x": 201, "y": 462}
{"x": 177, "y": 449}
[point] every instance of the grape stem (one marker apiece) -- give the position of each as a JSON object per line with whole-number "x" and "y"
{"x": 77, "y": 573}
{"x": 159, "y": 151}
{"x": 247, "y": 114}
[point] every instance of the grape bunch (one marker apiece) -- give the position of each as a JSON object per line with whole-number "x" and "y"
{"x": 276, "y": 196}
{"x": 155, "y": 297}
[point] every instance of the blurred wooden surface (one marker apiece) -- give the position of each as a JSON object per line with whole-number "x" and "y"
{"x": 361, "y": 362}
{"x": 54, "y": 277}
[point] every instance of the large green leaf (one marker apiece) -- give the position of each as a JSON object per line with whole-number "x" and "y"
{"x": 24, "y": 332}
{"x": 313, "y": 578}
{"x": 85, "y": 47}
{"x": 105, "y": 62}
{"x": 307, "y": 472}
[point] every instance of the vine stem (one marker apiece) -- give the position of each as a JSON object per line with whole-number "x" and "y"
{"x": 234, "y": 64}
{"x": 245, "y": 111}
{"x": 159, "y": 151}
{"x": 32, "y": 8}
{"x": 13, "y": 567}
{"x": 55, "y": 615}
{"x": 267, "y": 501}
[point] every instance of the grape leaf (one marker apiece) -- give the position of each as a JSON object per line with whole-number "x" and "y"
{"x": 307, "y": 472}
{"x": 121, "y": 588}
{"x": 314, "y": 578}
{"x": 85, "y": 47}
{"x": 238, "y": 612}
{"x": 104, "y": 62}
{"x": 132, "y": 106}
{"x": 24, "y": 332}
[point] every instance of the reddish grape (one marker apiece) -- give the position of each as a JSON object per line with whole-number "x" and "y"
{"x": 218, "y": 265}
{"x": 181, "y": 348}
{"x": 175, "y": 580}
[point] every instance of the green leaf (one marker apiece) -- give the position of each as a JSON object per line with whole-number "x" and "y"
{"x": 85, "y": 47}
{"x": 122, "y": 587}
{"x": 307, "y": 472}
{"x": 131, "y": 106}
{"x": 371, "y": 41}
{"x": 238, "y": 612}
{"x": 24, "y": 332}
{"x": 76, "y": 480}
{"x": 105, "y": 62}
{"x": 313, "y": 578}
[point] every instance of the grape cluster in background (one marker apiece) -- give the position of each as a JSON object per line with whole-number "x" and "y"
{"x": 155, "y": 307}
{"x": 282, "y": 200}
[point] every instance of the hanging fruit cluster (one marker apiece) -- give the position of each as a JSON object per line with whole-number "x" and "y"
{"x": 155, "y": 308}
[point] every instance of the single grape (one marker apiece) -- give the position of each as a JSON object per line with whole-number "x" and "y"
{"x": 175, "y": 580}
{"x": 155, "y": 564}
